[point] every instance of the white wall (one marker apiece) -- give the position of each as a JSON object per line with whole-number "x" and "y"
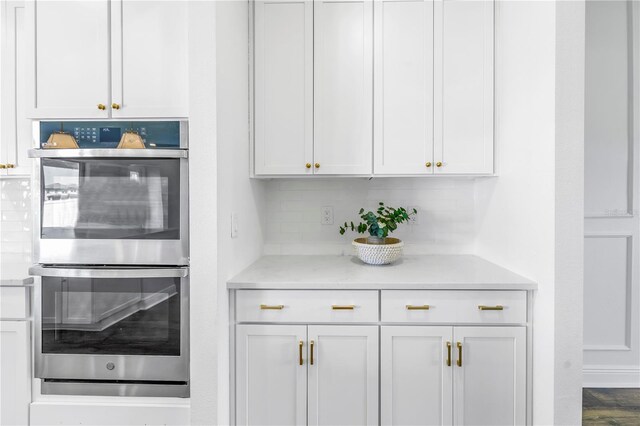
{"x": 203, "y": 211}
{"x": 515, "y": 213}
{"x": 237, "y": 193}
{"x": 444, "y": 224}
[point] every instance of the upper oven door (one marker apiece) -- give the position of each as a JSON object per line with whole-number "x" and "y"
{"x": 110, "y": 207}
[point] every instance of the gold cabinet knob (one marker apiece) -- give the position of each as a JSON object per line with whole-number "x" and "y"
{"x": 115, "y": 106}
{"x": 308, "y": 165}
{"x": 439, "y": 164}
{"x": 10, "y": 166}
{"x": 101, "y": 107}
{"x": 317, "y": 165}
{"x": 3, "y": 166}
{"x": 428, "y": 164}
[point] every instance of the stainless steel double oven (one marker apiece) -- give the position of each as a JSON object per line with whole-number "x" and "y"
{"x": 111, "y": 243}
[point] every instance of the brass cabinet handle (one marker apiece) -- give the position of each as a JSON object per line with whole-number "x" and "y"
{"x": 115, "y": 106}
{"x": 343, "y": 307}
{"x": 272, "y": 307}
{"x": 428, "y": 164}
{"x": 10, "y": 166}
{"x": 459, "y": 361}
{"x": 439, "y": 164}
{"x": 308, "y": 165}
{"x": 3, "y": 166}
{"x": 418, "y": 307}
{"x": 448, "y": 354}
{"x": 491, "y": 308}
{"x": 317, "y": 165}
{"x": 102, "y": 107}
{"x": 311, "y": 347}
{"x": 300, "y": 352}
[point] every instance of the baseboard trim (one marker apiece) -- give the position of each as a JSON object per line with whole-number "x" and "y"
{"x": 611, "y": 378}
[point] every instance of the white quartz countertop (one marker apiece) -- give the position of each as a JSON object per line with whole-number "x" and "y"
{"x": 15, "y": 274}
{"x": 461, "y": 272}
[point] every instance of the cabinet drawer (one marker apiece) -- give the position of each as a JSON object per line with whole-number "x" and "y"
{"x": 306, "y": 306}
{"x": 14, "y": 302}
{"x": 458, "y": 306}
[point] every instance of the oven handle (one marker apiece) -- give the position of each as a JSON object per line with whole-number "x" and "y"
{"x": 45, "y": 271}
{"x": 110, "y": 153}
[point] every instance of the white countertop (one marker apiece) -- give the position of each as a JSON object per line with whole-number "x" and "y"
{"x": 461, "y": 272}
{"x": 15, "y": 274}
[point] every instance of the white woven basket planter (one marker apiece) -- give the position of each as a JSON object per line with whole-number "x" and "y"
{"x": 378, "y": 254}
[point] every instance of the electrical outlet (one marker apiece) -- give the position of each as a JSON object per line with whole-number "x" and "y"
{"x": 326, "y": 215}
{"x": 234, "y": 225}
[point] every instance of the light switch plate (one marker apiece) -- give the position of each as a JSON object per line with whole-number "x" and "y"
{"x": 234, "y": 225}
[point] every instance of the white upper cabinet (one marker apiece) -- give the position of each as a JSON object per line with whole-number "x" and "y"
{"x": 69, "y": 64}
{"x": 149, "y": 58}
{"x": 463, "y": 125}
{"x": 490, "y": 376}
{"x": 283, "y": 87}
{"x": 343, "y": 82}
{"x": 15, "y": 128}
{"x": 101, "y": 59}
{"x": 403, "y": 87}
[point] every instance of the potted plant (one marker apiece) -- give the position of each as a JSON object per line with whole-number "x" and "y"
{"x": 378, "y": 248}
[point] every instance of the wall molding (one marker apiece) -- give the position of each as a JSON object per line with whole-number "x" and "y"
{"x": 610, "y": 377}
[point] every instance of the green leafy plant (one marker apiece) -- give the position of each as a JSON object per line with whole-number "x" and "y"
{"x": 381, "y": 223}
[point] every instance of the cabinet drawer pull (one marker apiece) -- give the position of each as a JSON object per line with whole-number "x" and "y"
{"x": 311, "y": 347}
{"x": 448, "y": 354}
{"x": 272, "y": 307}
{"x": 459, "y": 361}
{"x": 491, "y": 308}
{"x": 300, "y": 352}
{"x": 418, "y": 307}
{"x": 343, "y": 307}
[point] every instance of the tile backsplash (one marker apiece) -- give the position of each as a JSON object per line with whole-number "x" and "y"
{"x": 445, "y": 222}
{"x": 15, "y": 220}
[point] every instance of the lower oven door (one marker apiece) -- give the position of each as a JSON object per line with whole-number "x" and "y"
{"x": 112, "y": 324}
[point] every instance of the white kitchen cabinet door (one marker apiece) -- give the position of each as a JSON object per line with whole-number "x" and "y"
{"x": 343, "y": 87}
{"x": 149, "y": 59}
{"x": 15, "y": 356}
{"x": 271, "y": 383}
{"x": 68, "y": 61}
{"x": 343, "y": 376}
{"x": 463, "y": 125}
{"x": 283, "y": 87}
{"x": 15, "y": 128}
{"x": 490, "y": 377}
{"x": 403, "y": 101}
{"x": 416, "y": 375}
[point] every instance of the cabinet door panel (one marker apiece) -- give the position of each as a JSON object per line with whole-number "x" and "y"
{"x": 490, "y": 385}
{"x": 343, "y": 380}
{"x": 69, "y": 63}
{"x": 343, "y": 79}
{"x": 149, "y": 58}
{"x": 271, "y": 384}
{"x": 464, "y": 86}
{"x": 416, "y": 382}
{"x": 15, "y": 394}
{"x": 403, "y": 109}
{"x": 15, "y": 128}
{"x": 283, "y": 87}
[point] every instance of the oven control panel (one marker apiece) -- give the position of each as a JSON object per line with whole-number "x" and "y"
{"x": 107, "y": 134}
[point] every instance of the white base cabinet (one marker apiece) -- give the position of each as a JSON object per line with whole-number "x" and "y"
{"x": 447, "y": 357}
{"x": 15, "y": 371}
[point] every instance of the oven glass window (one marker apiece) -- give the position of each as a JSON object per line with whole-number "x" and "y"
{"x": 111, "y": 316}
{"x": 100, "y": 198}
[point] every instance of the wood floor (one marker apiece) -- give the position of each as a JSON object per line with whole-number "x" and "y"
{"x": 611, "y": 406}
